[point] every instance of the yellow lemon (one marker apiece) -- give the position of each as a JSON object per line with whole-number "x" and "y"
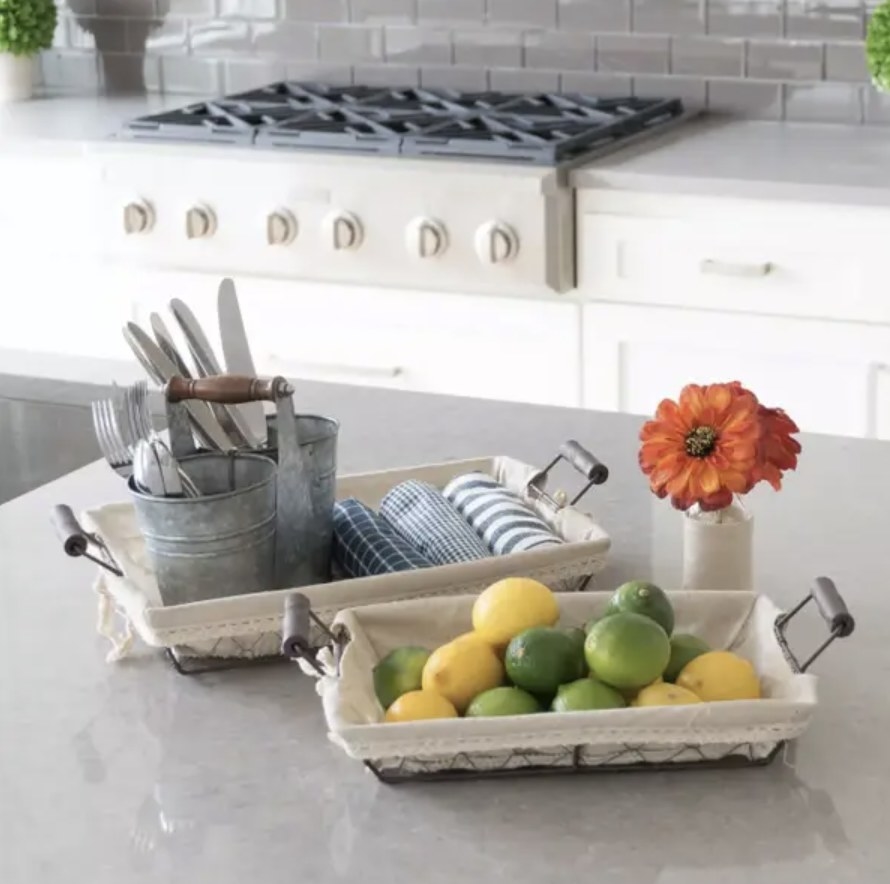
{"x": 631, "y": 695}
{"x": 720, "y": 675}
{"x": 420, "y": 705}
{"x": 662, "y": 694}
{"x": 511, "y": 606}
{"x": 462, "y": 669}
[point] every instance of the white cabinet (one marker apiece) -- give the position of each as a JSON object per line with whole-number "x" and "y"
{"x": 498, "y": 348}
{"x": 743, "y": 256}
{"x": 831, "y": 377}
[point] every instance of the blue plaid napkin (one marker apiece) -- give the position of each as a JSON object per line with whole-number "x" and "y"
{"x": 431, "y": 524}
{"x": 499, "y": 516}
{"x": 366, "y": 544}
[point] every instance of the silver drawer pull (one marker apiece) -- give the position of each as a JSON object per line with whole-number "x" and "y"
{"x": 733, "y": 268}
{"x": 287, "y": 366}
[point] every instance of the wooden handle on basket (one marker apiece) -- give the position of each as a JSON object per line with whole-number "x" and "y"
{"x": 227, "y": 389}
{"x": 584, "y": 461}
{"x": 73, "y": 537}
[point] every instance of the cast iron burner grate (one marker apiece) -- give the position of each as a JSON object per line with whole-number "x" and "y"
{"x": 545, "y": 128}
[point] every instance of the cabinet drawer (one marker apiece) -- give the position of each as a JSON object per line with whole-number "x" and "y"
{"x": 787, "y": 265}
{"x": 831, "y": 377}
{"x": 518, "y": 350}
{"x": 492, "y": 348}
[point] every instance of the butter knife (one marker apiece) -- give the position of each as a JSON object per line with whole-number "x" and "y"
{"x": 223, "y": 413}
{"x": 207, "y": 364}
{"x": 161, "y": 369}
{"x": 236, "y": 351}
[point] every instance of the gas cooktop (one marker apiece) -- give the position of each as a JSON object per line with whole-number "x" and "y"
{"x": 544, "y": 128}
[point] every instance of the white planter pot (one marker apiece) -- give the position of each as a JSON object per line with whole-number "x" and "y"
{"x": 718, "y": 549}
{"x": 16, "y": 77}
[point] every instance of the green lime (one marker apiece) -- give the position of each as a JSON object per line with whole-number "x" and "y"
{"x": 684, "y": 648}
{"x": 627, "y": 650}
{"x": 503, "y": 701}
{"x": 398, "y": 672}
{"x": 585, "y": 694}
{"x": 542, "y": 658}
{"x": 578, "y": 636}
{"x": 640, "y": 597}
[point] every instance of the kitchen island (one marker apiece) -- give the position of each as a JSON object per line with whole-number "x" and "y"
{"x": 130, "y": 772}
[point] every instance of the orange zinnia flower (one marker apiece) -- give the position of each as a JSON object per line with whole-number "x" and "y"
{"x": 777, "y": 451}
{"x": 704, "y": 448}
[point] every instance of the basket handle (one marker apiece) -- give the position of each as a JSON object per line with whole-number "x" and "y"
{"x": 74, "y": 539}
{"x": 227, "y": 389}
{"x": 296, "y": 625}
{"x": 834, "y": 612}
{"x": 583, "y": 460}
{"x": 77, "y": 542}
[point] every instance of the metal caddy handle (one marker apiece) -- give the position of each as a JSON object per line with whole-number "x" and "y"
{"x": 834, "y": 612}
{"x": 79, "y": 543}
{"x": 294, "y": 497}
{"x": 584, "y": 461}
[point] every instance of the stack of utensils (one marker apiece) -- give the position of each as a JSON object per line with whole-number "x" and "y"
{"x": 233, "y": 500}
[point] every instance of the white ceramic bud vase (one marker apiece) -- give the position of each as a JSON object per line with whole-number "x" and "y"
{"x": 16, "y": 77}
{"x": 718, "y": 549}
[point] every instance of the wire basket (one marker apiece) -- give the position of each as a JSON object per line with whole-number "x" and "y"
{"x": 244, "y": 629}
{"x": 727, "y": 734}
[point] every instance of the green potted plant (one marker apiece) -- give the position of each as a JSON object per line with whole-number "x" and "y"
{"x": 26, "y": 27}
{"x": 877, "y": 47}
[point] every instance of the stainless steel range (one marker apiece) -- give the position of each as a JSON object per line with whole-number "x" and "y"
{"x": 431, "y": 189}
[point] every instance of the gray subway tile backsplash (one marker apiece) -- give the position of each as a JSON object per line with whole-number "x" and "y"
{"x": 800, "y": 60}
{"x": 417, "y": 45}
{"x": 523, "y": 13}
{"x": 669, "y": 16}
{"x": 488, "y": 48}
{"x": 559, "y": 50}
{"x": 596, "y": 16}
{"x": 632, "y": 53}
{"x": 707, "y": 57}
{"x": 746, "y": 18}
{"x": 785, "y": 60}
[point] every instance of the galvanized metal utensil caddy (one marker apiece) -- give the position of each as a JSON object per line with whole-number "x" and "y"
{"x": 257, "y": 525}
{"x": 243, "y": 628}
{"x": 727, "y": 734}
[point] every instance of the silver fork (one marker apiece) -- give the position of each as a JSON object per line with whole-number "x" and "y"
{"x": 119, "y": 457}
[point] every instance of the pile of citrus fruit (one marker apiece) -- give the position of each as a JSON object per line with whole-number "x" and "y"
{"x": 517, "y": 660}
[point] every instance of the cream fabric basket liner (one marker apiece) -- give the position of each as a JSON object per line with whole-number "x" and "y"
{"x": 740, "y": 621}
{"x": 250, "y": 625}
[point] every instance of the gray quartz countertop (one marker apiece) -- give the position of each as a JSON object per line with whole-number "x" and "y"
{"x": 130, "y": 772}
{"x": 66, "y": 123}
{"x": 716, "y": 156}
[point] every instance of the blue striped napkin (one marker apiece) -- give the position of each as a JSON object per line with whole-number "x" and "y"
{"x": 365, "y": 543}
{"x": 431, "y": 524}
{"x": 500, "y": 518}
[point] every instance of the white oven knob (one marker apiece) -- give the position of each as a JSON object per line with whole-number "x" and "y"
{"x": 200, "y": 222}
{"x": 426, "y": 238}
{"x": 343, "y": 231}
{"x": 496, "y": 243}
{"x": 139, "y": 217}
{"x": 281, "y": 228}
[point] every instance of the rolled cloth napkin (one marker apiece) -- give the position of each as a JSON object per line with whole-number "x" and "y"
{"x": 498, "y": 515}
{"x": 366, "y": 544}
{"x": 422, "y": 515}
